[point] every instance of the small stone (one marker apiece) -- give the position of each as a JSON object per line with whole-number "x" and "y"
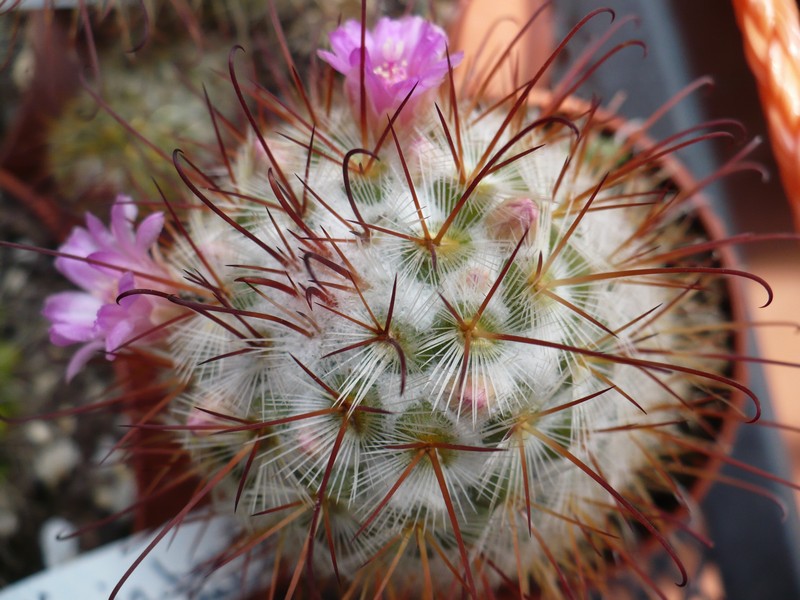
{"x": 9, "y": 522}
{"x": 15, "y": 280}
{"x": 38, "y": 433}
{"x": 118, "y": 491}
{"x": 68, "y": 425}
{"x": 46, "y": 382}
{"x": 116, "y": 488}
{"x": 56, "y": 461}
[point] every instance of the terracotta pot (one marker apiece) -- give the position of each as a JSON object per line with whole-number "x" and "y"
{"x": 156, "y": 457}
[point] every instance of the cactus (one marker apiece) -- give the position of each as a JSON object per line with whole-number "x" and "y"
{"x": 91, "y": 154}
{"x": 426, "y": 343}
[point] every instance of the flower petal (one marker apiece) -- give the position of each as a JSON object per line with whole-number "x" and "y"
{"x": 72, "y": 316}
{"x": 81, "y": 357}
{"x": 148, "y": 231}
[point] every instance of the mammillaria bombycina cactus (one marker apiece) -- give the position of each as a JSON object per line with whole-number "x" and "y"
{"x": 428, "y": 344}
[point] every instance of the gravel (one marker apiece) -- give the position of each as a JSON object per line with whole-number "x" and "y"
{"x": 48, "y": 467}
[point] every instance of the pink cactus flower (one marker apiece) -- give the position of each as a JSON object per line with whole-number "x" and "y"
{"x": 400, "y": 54}
{"x": 93, "y": 317}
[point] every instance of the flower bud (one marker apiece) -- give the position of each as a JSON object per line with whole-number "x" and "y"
{"x": 512, "y": 218}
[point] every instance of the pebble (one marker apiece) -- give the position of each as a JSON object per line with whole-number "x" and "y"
{"x": 47, "y": 382}
{"x": 116, "y": 493}
{"x": 115, "y": 486}
{"x": 55, "y": 461}
{"x": 38, "y": 433}
{"x": 14, "y": 280}
{"x": 9, "y": 520}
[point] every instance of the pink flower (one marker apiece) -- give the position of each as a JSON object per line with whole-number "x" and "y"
{"x": 93, "y": 317}
{"x": 400, "y": 53}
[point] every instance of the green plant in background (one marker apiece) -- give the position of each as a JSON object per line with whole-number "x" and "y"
{"x": 152, "y": 106}
{"x": 144, "y": 66}
{"x": 9, "y": 359}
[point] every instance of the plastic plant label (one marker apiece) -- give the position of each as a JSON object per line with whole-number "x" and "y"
{"x": 170, "y": 571}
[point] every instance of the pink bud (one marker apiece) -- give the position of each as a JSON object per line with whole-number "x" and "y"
{"x": 204, "y": 422}
{"x": 309, "y": 441}
{"x": 510, "y": 219}
{"x": 475, "y": 396}
{"x": 479, "y": 279}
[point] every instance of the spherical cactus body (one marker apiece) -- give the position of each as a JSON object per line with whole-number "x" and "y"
{"x": 429, "y": 343}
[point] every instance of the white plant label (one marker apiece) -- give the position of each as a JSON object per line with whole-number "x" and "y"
{"x": 166, "y": 573}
